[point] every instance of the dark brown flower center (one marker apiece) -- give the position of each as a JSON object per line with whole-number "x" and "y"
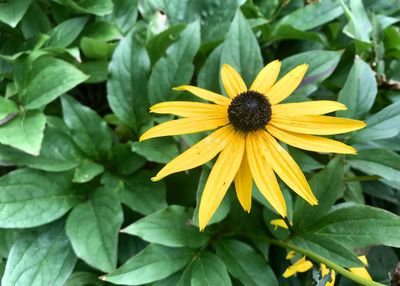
{"x": 249, "y": 111}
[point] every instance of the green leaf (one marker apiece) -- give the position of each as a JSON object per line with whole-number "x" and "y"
{"x": 359, "y": 91}
{"x": 11, "y": 12}
{"x": 326, "y": 186}
{"x": 96, "y": 7}
{"x": 245, "y": 264}
{"x": 48, "y": 79}
{"x": 321, "y": 66}
{"x": 328, "y": 248}
{"x": 160, "y": 150}
{"x": 153, "y": 263}
{"x": 66, "y": 33}
{"x": 24, "y": 132}
{"x": 305, "y": 162}
{"x": 359, "y": 26}
{"x": 170, "y": 227}
{"x": 42, "y": 256}
{"x": 142, "y": 195}
{"x": 209, "y": 73}
{"x": 86, "y": 171}
{"x": 241, "y": 49}
{"x": 125, "y": 14}
{"x": 383, "y": 124}
{"x": 209, "y": 270}
{"x": 8, "y": 110}
{"x": 7, "y": 239}
{"x": 215, "y": 17}
{"x": 361, "y": 226}
{"x": 89, "y": 131}
{"x": 382, "y": 162}
{"x": 96, "y": 49}
{"x": 96, "y": 242}
{"x": 127, "y": 85}
{"x": 176, "y": 67}
{"x": 159, "y": 43}
{"x": 30, "y": 198}
{"x": 58, "y": 153}
{"x": 313, "y": 15}
{"x": 84, "y": 279}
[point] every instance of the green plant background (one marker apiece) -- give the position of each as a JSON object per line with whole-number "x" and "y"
{"x": 76, "y": 80}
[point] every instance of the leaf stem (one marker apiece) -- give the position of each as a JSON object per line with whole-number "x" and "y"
{"x": 327, "y": 262}
{"x": 361, "y": 178}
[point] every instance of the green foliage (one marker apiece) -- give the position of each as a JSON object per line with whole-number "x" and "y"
{"x": 77, "y": 204}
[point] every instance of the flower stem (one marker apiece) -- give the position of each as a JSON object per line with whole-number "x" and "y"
{"x": 361, "y": 178}
{"x": 316, "y": 257}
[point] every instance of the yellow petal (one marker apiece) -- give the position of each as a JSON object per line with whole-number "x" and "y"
{"x": 204, "y": 94}
{"x": 199, "y": 154}
{"x": 221, "y": 176}
{"x": 279, "y": 222}
{"x": 309, "y": 142}
{"x": 316, "y": 124}
{"x": 266, "y": 77}
{"x": 288, "y": 170}
{"x": 190, "y": 109}
{"x": 184, "y": 126}
{"x": 302, "y": 265}
{"x": 286, "y": 85}
{"x": 362, "y": 271}
{"x": 316, "y": 107}
{"x": 326, "y": 271}
{"x": 290, "y": 254}
{"x": 244, "y": 184}
{"x": 262, "y": 173}
{"x": 232, "y": 81}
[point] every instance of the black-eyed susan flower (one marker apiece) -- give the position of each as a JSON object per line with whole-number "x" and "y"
{"x": 247, "y": 124}
{"x": 300, "y": 266}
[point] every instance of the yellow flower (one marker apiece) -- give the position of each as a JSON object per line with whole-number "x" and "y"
{"x": 326, "y": 271}
{"x": 248, "y": 121}
{"x": 362, "y": 271}
{"x": 301, "y": 265}
{"x": 279, "y": 223}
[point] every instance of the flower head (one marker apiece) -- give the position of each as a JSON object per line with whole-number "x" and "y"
{"x": 247, "y": 124}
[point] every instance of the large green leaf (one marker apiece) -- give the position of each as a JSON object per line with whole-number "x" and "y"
{"x": 127, "y": 87}
{"x": 245, "y": 264}
{"x": 359, "y": 26}
{"x": 96, "y": 7}
{"x": 313, "y": 15}
{"x": 328, "y": 248}
{"x": 321, "y": 65}
{"x": 153, "y": 263}
{"x": 11, "y": 12}
{"x": 8, "y": 110}
{"x": 66, "y": 33}
{"x": 170, "y": 227}
{"x": 382, "y": 162}
{"x": 125, "y": 14}
{"x": 89, "y": 131}
{"x": 7, "y": 239}
{"x": 209, "y": 73}
{"x": 30, "y": 198}
{"x": 383, "y": 124}
{"x": 160, "y": 150}
{"x": 58, "y": 153}
{"x": 208, "y": 269}
{"x": 176, "y": 67}
{"x": 359, "y": 91}
{"x": 141, "y": 194}
{"x": 326, "y": 186}
{"x": 96, "y": 242}
{"x": 42, "y": 256}
{"x": 241, "y": 49}
{"x": 48, "y": 79}
{"x": 24, "y": 132}
{"x": 361, "y": 226}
